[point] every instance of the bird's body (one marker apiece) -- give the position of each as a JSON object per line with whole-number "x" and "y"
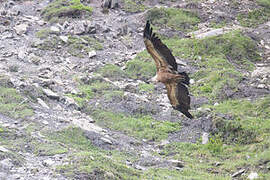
{"x": 176, "y": 82}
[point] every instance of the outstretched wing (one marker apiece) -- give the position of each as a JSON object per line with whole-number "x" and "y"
{"x": 179, "y": 97}
{"x": 159, "y": 51}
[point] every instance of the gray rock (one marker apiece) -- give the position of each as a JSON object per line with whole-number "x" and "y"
{"x": 55, "y": 29}
{"x": 106, "y": 140}
{"x": 79, "y": 28}
{"x": 51, "y": 94}
{"x": 3, "y": 149}
{"x": 253, "y": 175}
{"x": 176, "y": 163}
{"x": 238, "y": 173}
{"x": 42, "y": 103}
{"x": 48, "y": 162}
{"x": 6, "y": 165}
{"x": 205, "y": 138}
{"x": 21, "y": 28}
{"x": 64, "y": 38}
{"x": 92, "y": 54}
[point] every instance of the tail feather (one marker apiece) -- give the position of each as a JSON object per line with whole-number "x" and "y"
{"x": 184, "y": 111}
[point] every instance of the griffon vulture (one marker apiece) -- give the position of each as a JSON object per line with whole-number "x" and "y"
{"x": 176, "y": 82}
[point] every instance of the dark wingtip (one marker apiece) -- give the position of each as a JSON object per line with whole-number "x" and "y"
{"x": 185, "y": 112}
{"x": 147, "y": 30}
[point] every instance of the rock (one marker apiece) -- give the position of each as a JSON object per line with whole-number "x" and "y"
{"x": 48, "y": 162}
{"x": 3, "y": 149}
{"x": 205, "y": 138}
{"x": 42, "y": 103}
{"x": 51, "y": 94}
{"x": 6, "y": 165}
{"x": 241, "y": 171}
{"x": 55, "y": 29}
{"x": 176, "y": 163}
{"x": 92, "y": 54}
{"x": 64, "y": 38}
{"x": 21, "y": 28}
{"x": 191, "y": 81}
{"x": 106, "y": 140}
{"x": 79, "y": 28}
{"x": 261, "y": 86}
{"x": 253, "y": 175}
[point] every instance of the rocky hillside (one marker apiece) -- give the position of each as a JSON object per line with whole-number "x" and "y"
{"x": 76, "y": 102}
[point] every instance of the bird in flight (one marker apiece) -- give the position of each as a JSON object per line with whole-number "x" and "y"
{"x": 176, "y": 82}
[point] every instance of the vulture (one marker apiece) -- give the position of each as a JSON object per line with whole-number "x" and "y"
{"x": 176, "y": 82}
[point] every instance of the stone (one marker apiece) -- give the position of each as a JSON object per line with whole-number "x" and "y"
{"x": 51, "y": 94}
{"x": 191, "y": 81}
{"x": 64, "y": 38}
{"x": 108, "y": 141}
{"x": 238, "y": 173}
{"x": 253, "y": 175}
{"x": 48, "y": 162}
{"x": 3, "y": 149}
{"x": 79, "y": 28}
{"x": 21, "y": 28}
{"x": 92, "y": 54}
{"x": 55, "y": 29}
{"x": 205, "y": 138}
{"x": 176, "y": 163}
{"x": 6, "y": 165}
{"x": 42, "y": 103}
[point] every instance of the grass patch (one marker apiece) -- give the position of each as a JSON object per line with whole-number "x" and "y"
{"x": 13, "y": 104}
{"x": 49, "y": 149}
{"x": 133, "y": 6}
{"x": 76, "y": 46}
{"x": 95, "y": 88}
{"x": 141, "y": 67}
{"x": 92, "y": 162}
{"x": 264, "y": 3}
{"x": 112, "y": 71}
{"x": 44, "y": 33}
{"x": 81, "y": 46}
{"x": 144, "y": 127}
{"x": 250, "y": 120}
{"x": 65, "y": 8}
{"x": 146, "y": 88}
{"x": 255, "y": 17}
{"x": 175, "y": 18}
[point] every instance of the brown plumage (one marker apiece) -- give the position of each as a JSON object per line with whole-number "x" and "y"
{"x": 176, "y": 82}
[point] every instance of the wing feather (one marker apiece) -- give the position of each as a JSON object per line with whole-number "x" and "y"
{"x": 179, "y": 97}
{"x": 159, "y": 51}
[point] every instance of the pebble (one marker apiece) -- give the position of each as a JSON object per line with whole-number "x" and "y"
{"x": 92, "y": 54}
{"x": 253, "y": 175}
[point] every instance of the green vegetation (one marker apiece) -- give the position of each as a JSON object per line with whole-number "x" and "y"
{"x": 175, "y": 18}
{"x": 143, "y": 127}
{"x": 63, "y": 8}
{"x": 250, "y": 120}
{"x": 257, "y": 16}
{"x": 96, "y": 88}
{"x": 134, "y": 6}
{"x": 112, "y": 71}
{"x": 90, "y": 161}
{"x": 245, "y": 137}
{"x": 43, "y": 33}
{"x": 49, "y": 149}
{"x": 13, "y": 104}
{"x": 218, "y": 59}
{"x": 141, "y": 67}
{"x": 76, "y": 46}
{"x": 264, "y": 3}
{"x": 149, "y": 88}
{"x": 81, "y": 46}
